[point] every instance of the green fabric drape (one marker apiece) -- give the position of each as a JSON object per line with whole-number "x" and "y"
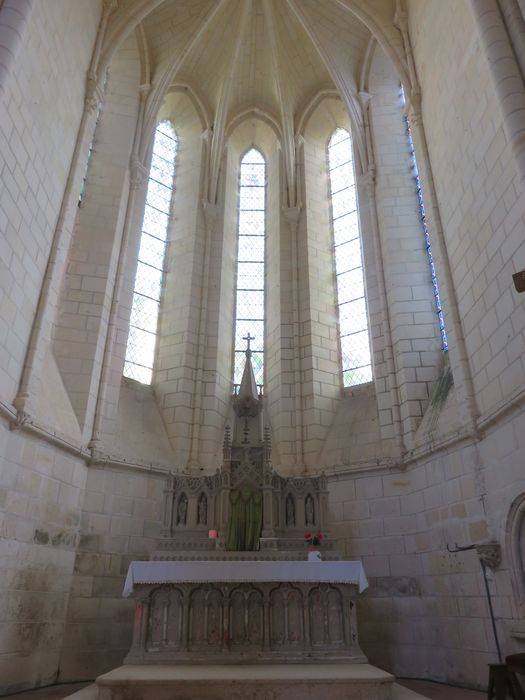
{"x": 245, "y": 523}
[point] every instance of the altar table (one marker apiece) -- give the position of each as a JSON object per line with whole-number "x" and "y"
{"x": 224, "y": 612}
{"x": 156, "y": 572}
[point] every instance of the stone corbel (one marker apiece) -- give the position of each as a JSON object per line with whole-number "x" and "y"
{"x": 211, "y": 214}
{"x": 22, "y": 416}
{"x": 489, "y": 554}
{"x": 291, "y": 215}
{"x": 109, "y": 6}
{"x": 364, "y": 100}
{"x": 367, "y": 180}
{"x": 413, "y": 108}
{"x": 94, "y": 93}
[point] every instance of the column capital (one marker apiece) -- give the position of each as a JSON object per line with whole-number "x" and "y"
{"x": 109, "y": 6}
{"x": 138, "y": 173}
{"x": 94, "y": 93}
{"x": 211, "y": 213}
{"x": 413, "y": 109}
{"x": 291, "y": 215}
{"x": 367, "y": 180}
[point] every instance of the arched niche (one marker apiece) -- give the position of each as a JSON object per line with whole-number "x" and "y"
{"x": 515, "y": 544}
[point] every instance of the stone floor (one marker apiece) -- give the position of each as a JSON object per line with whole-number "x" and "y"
{"x": 433, "y": 691}
{"x": 438, "y": 691}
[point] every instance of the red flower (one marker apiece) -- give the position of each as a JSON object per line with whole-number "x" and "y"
{"x": 319, "y": 535}
{"x": 308, "y": 536}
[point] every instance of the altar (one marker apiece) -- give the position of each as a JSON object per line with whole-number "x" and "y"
{"x": 245, "y": 611}
{"x": 230, "y": 586}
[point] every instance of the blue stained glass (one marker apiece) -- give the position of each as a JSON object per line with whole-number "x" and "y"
{"x": 422, "y": 211}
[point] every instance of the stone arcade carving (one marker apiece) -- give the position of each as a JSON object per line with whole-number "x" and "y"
{"x": 281, "y": 507}
{"x": 253, "y": 622}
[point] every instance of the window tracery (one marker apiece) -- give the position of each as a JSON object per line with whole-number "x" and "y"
{"x": 140, "y": 350}
{"x": 251, "y": 236}
{"x": 351, "y": 299}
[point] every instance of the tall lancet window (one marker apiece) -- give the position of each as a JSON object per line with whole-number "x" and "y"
{"x": 351, "y": 301}
{"x": 140, "y": 351}
{"x": 428, "y": 245}
{"x": 249, "y": 307}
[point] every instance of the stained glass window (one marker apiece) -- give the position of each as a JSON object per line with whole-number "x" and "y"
{"x": 351, "y": 302}
{"x": 140, "y": 350}
{"x": 428, "y": 245}
{"x": 249, "y": 316}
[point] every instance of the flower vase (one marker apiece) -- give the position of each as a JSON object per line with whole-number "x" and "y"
{"x": 314, "y": 554}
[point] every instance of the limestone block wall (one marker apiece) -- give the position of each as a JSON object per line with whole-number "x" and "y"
{"x": 86, "y": 299}
{"x": 483, "y": 199}
{"x": 41, "y": 490}
{"x": 120, "y": 522}
{"x": 40, "y": 111}
{"x": 355, "y": 436}
{"x": 139, "y": 434}
{"x": 320, "y": 368}
{"x": 425, "y": 613}
{"x": 177, "y": 350}
{"x": 279, "y": 351}
{"x": 415, "y": 331}
{"x": 41, "y": 105}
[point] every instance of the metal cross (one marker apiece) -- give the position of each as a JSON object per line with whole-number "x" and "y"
{"x": 248, "y": 338}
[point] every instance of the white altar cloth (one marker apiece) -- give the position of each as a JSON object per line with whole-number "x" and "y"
{"x": 149, "y": 572}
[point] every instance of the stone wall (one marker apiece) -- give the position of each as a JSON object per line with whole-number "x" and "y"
{"x": 70, "y": 524}
{"x": 120, "y": 522}
{"x": 41, "y": 492}
{"x": 426, "y": 614}
{"x": 40, "y": 111}
{"x": 41, "y": 486}
{"x": 479, "y": 191}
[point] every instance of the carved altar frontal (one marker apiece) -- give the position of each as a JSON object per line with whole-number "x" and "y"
{"x": 263, "y": 622}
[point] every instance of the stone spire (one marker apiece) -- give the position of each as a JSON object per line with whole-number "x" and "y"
{"x": 247, "y": 401}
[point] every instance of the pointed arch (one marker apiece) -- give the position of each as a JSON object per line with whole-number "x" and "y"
{"x": 354, "y": 336}
{"x": 142, "y": 337}
{"x": 251, "y": 249}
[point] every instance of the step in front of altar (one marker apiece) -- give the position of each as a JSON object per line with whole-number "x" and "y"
{"x": 246, "y": 682}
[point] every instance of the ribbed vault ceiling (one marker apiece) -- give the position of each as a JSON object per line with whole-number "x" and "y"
{"x": 270, "y": 55}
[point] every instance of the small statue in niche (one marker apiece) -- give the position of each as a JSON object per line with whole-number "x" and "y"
{"x": 309, "y": 513}
{"x": 182, "y": 510}
{"x": 202, "y": 511}
{"x": 290, "y": 511}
